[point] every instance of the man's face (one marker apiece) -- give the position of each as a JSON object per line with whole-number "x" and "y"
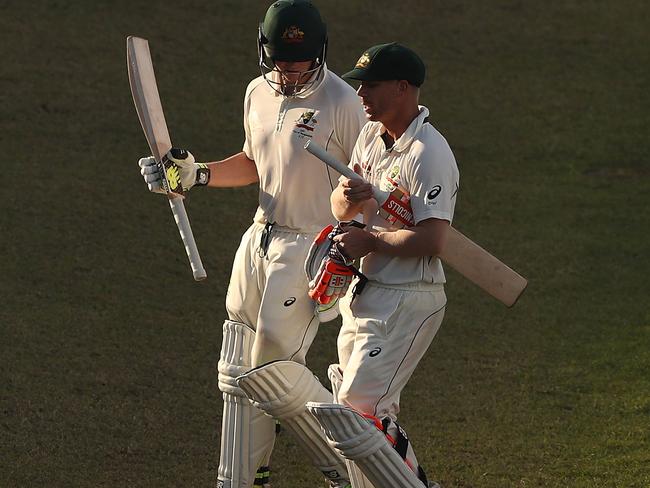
{"x": 378, "y": 98}
{"x": 294, "y": 72}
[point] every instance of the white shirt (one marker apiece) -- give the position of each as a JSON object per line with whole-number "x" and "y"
{"x": 422, "y": 165}
{"x": 295, "y": 186}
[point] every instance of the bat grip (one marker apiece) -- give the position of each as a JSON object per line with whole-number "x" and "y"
{"x": 183, "y": 223}
{"x": 332, "y": 162}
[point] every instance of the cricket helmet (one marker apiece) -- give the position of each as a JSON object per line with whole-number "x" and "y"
{"x": 292, "y": 30}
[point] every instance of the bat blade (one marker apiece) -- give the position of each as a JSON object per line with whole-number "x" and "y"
{"x": 482, "y": 268}
{"x": 150, "y": 113}
{"x": 461, "y": 253}
{"x": 146, "y": 97}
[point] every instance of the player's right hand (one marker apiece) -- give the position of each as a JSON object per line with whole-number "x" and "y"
{"x": 354, "y": 190}
{"x": 151, "y": 174}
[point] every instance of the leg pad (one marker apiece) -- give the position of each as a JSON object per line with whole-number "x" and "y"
{"x": 358, "y": 440}
{"x": 281, "y": 389}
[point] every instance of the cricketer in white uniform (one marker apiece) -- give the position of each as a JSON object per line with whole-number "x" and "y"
{"x": 270, "y": 316}
{"x": 388, "y": 327}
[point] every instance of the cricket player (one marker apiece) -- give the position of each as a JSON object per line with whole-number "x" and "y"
{"x": 389, "y": 325}
{"x": 271, "y": 318}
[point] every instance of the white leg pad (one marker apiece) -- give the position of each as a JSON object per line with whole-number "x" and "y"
{"x": 357, "y": 478}
{"x": 281, "y": 389}
{"x": 336, "y": 379}
{"x": 247, "y": 435}
{"x": 358, "y": 440}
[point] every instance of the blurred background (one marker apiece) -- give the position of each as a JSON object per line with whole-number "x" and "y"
{"x": 108, "y": 348}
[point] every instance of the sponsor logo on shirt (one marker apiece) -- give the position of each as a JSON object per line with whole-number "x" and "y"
{"x": 432, "y": 195}
{"x": 306, "y": 124}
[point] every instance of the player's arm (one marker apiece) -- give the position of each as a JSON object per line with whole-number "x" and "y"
{"x": 427, "y": 238}
{"x": 236, "y": 170}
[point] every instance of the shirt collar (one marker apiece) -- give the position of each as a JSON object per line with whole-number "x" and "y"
{"x": 404, "y": 141}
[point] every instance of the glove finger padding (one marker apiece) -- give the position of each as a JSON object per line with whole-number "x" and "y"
{"x": 147, "y": 162}
{"x": 332, "y": 282}
{"x": 150, "y": 171}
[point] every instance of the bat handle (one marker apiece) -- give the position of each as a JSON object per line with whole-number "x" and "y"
{"x": 183, "y": 223}
{"x": 332, "y": 162}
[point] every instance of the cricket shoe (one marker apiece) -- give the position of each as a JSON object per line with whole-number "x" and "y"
{"x": 262, "y": 477}
{"x": 339, "y": 484}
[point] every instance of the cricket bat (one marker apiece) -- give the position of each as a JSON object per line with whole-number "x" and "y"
{"x": 461, "y": 253}
{"x": 147, "y": 104}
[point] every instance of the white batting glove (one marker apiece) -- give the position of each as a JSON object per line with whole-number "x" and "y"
{"x": 151, "y": 174}
{"x": 189, "y": 172}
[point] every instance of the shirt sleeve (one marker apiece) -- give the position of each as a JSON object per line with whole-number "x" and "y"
{"x": 247, "y": 148}
{"x": 350, "y": 119}
{"x": 433, "y": 183}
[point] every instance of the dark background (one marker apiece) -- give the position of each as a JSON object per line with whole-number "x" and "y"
{"x": 108, "y": 347}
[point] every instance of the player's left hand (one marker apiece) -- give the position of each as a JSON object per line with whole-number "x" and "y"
{"x": 190, "y": 172}
{"x": 355, "y": 242}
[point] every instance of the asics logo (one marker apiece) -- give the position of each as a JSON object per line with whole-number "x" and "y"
{"x": 375, "y": 352}
{"x": 433, "y": 193}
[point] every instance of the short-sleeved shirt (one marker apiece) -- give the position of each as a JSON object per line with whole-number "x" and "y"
{"x": 295, "y": 186}
{"x": 422, "y": 165}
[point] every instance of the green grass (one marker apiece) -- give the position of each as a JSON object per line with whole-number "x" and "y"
{"x": 109, "y": 348}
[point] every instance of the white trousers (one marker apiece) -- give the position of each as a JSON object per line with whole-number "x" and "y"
{"x": 386, "y": 332}
{"x": 268, "y": 292}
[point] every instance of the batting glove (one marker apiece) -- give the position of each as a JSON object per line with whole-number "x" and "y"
{"x": 332, "y": 281}
{"x": 183, "y": 171}
{"x": 335, "y": 272}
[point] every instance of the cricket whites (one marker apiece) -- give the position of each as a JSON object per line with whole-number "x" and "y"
{"x": 462, "y": 254}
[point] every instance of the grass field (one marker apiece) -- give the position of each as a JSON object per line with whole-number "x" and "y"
{"x": 108, "y": 348}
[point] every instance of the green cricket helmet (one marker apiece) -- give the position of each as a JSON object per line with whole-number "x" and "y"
{"x": 292, "y": 31}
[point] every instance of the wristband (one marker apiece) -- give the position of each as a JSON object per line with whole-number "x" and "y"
{"x": 202, "y": 174}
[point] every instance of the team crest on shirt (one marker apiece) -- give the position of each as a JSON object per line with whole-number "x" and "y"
{"x": 391, "y": 179}
{"x": 293, "y": 35}
{"x": 306, "y": 124}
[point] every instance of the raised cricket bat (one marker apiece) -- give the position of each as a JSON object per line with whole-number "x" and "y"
{"x": 150, "y": 112}
{"x": 462, "y": 254}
